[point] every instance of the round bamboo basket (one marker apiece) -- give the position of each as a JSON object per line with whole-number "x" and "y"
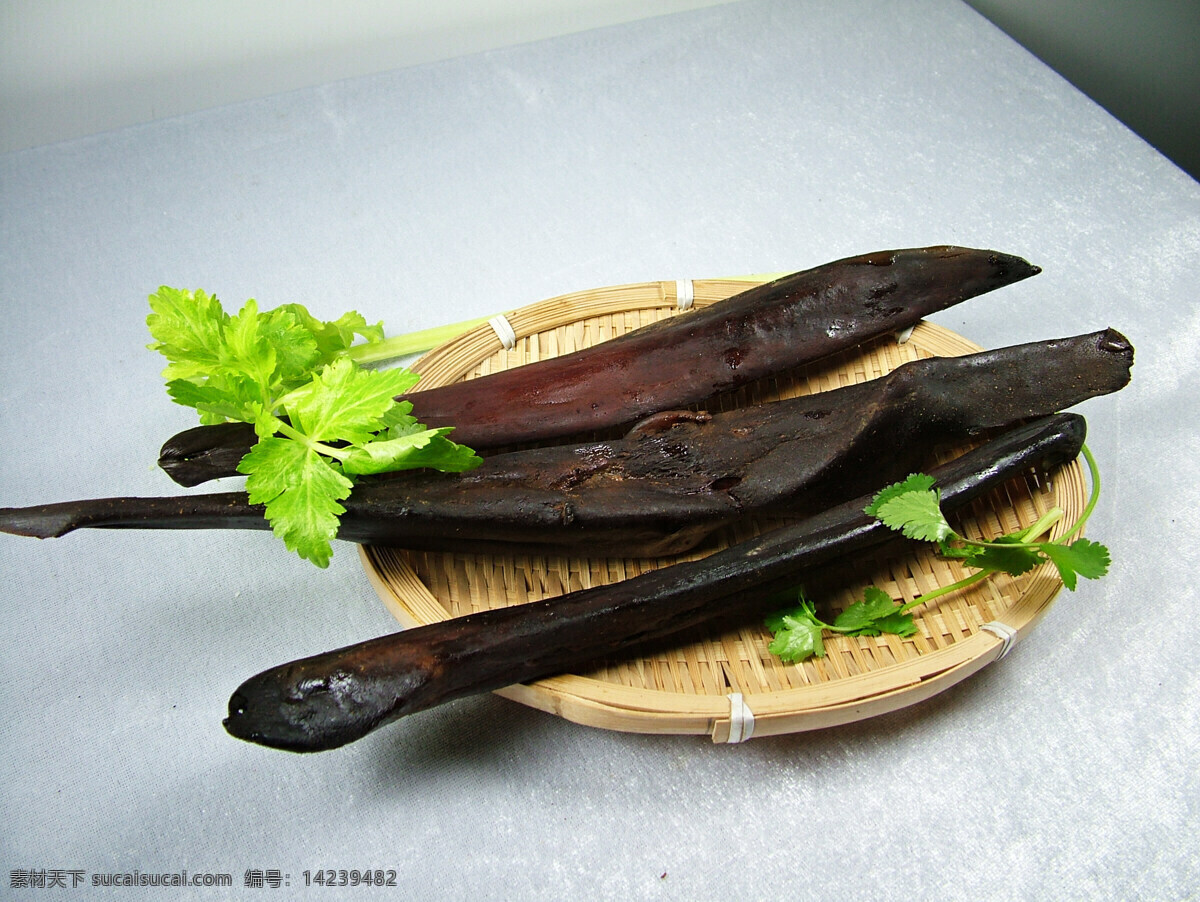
{"x": 729, "y": 686}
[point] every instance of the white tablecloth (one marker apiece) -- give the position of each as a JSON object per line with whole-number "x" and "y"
{"x": 755, "y": 137}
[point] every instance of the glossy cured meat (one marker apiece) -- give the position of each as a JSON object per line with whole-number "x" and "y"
{"x": 673, "y": 363}
{"x": 677, "y": 477}
{"x": 330, "y": 699}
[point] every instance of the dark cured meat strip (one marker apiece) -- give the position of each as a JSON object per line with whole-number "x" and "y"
{"x": 330, "y": 699}
{"x": 674, "y": 480}
{"x": 675, "y": 363}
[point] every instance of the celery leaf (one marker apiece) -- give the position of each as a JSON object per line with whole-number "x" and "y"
{"x": 321, "y": 420}
{"x": 301, "y": 492}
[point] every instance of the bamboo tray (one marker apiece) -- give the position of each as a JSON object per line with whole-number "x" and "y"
{"x": 729, "y": 686}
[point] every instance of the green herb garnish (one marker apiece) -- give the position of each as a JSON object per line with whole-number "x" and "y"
{"x": 321, "y": 419}
{"x": 913, "y": 507}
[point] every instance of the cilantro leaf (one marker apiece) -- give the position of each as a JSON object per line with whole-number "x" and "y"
{"x": 897, "y": 623}
{"x": 775, "y": 622}
{"x": 917, "y": 513}
{"x": 916, "y": 482}
{"x": 875, "y": 604}
{"x": 913, "y": 507}
{"x": 876, "y": 613}
{"x": 797, "y": 634}
{"x": 1082, "y": 557}
{"x": 1006, "y": 554}
{"x": 947, "y": 550}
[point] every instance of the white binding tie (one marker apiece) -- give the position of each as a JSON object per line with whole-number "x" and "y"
{"x": 504, "y": 331}
{"x": 741, "y": 718}
{"x": 685, "y": 294}
{"x": 1006, "y": 633}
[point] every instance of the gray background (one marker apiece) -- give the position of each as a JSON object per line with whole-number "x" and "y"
{"x": 74, "y": 67}
{"x": 750, "y": 137}
{"x": 1139, "y": 60}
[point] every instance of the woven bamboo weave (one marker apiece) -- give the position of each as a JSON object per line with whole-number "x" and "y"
{"x": 688, "y": 690}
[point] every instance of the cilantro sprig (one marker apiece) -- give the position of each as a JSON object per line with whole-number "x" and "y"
{"x": 913, "y": 507}
{"x": 321, "y": 419}
{"x": 799, "y": 633}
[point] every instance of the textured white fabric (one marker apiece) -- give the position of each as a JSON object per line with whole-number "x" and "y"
{"x": 761, "y": 136}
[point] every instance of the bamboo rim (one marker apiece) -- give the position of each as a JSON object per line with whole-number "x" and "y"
{"x": 687, "y": 690}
